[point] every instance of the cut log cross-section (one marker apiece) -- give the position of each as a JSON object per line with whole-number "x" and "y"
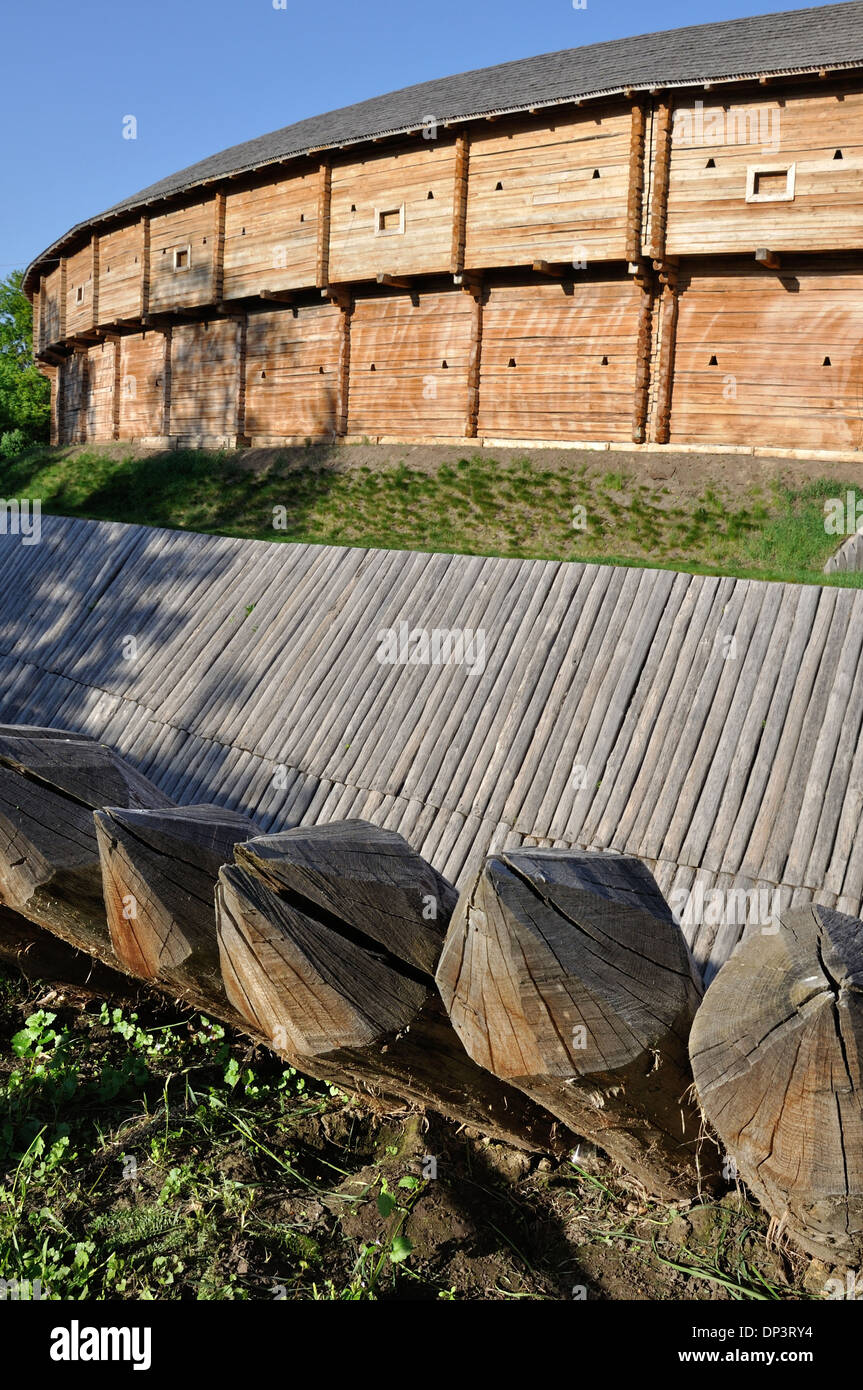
{"x": 50, "y": 784}
{"x": 776, "y": 1050}
{"x": 565, "y": 974}
{"x": 159, "y": 871}
{"x": 329, "y": 937}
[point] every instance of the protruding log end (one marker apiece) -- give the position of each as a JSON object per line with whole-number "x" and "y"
{"x": 776, "y": 1053}
{"x": 369, "y": 878}
{"x": 159, "y": 871}
{"x": 566, "y": 974}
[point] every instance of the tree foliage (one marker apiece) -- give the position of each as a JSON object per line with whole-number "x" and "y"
{"x": 25, "y": 394}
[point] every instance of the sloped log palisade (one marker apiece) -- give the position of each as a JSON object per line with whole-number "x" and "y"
{"x": 654, "y": 240}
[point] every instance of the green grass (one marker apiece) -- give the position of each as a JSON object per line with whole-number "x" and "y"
{"x": 151, "y": 1154}
{"x": 476, "y": 505}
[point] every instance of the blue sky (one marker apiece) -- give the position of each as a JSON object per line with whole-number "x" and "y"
{"x": 203, "y": 75}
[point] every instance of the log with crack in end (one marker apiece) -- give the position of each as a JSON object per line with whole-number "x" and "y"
{"x": 329, "y": 936}
{"x": 50, "y": 784}
{"x": 565, "y": 974}
{"x": 159, "y": 871}
{"x": 776, "y": 1051}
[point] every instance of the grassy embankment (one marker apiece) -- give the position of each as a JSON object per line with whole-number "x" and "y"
{"x": 473, "y": 505}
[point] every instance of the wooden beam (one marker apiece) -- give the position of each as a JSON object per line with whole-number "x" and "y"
{"x": 218, "y": 272}
{"x": 337, "y": 294}
{"x": 344, "y": 366}
{"x": 241, "y": 379}
{"x": 775, "y": 1054}
{"x": 768, "y": 258}
{"x": 115, "y": 401}
{"x": 145, "y": 264}
{"x": 459, "y": 202}
{"x": 282, "y": 296}
{"x": 546, "y": 268}
{"x": 473, "y": 368}
{"x": 94, "y": 246}
{"x": 659, "y": 202}
{"x": 635, "y": 197}
{"x": 400, "y": 282}
{"x": 63, "y": 278}
{"x": 665, "y": 373}
{"x": 565, "y": 974}
{"x": 643, "y": 344}
{"x": 166, "y": 381}
{"x": 324, "y": 208}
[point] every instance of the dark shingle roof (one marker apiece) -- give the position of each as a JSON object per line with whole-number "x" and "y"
{"x": 792, "y": 41}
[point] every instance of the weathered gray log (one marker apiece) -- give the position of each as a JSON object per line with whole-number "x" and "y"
{"x": 50, "y": 784}
{"x": 39, "y": 955}
{"x": 312, "y": 960}
{"x": 565, "y": 974}
{"x": 776, "y": 1049}
{"x": 159, "y": 871}
{"x": 370, "y": 878}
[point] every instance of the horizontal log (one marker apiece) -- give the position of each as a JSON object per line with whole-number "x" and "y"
{"x": 565, "y": 974}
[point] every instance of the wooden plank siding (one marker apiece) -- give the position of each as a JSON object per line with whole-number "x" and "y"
{"x": 770, "y": 334}
{"x": 99, "y": 409}
{"x": 52, "y": 309}
{"x": 271, "y": 236}
{"x": 80, "y": 291}
{"x": 121, "y": 274}
{"x": 142, "y": 384}
{"x": 410, "y": 364}
{"x": 563, "y": 195}
{"x": 204, "y": 379}
{"x": 191, "y": 230}
{"x": 708, "y": 209}
{"x": 411, "y": 190}
{"x": 557, "y": 365}
{"x": 73, "y": 398}
{"x": 292, "y": 372}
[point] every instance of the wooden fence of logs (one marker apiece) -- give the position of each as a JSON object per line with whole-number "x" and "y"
{"x": 555, "y": 999}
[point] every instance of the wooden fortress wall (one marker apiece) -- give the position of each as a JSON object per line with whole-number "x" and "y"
{"x": 680, "y": 268}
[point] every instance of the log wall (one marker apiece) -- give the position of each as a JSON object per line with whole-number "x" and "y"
{"x": 121, "y": 257}
{"x": 292, "y": 372}
{"x": 142, "y": 385}
{"x": 100, "y": 391}
{"x": 608, "y": 251}
{"x": 392, "y": 213}
{"x": 554, "y": 192}
{"x": 205, "y": 365}
{"x": 271, "y": 237}
{"x": 558, "y": 365}
{"x": 409, "y": 364}
{"x": 764, "y": 357}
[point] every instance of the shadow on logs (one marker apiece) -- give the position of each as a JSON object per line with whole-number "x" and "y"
{"x": 50, "y": 784}
{"x": 565, "y": 974}
{"x": 328, "y": 938}
{"x": 159, "y": 871}
{"x": 776, "y": 1051}
{"x": 39, "y": 955}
